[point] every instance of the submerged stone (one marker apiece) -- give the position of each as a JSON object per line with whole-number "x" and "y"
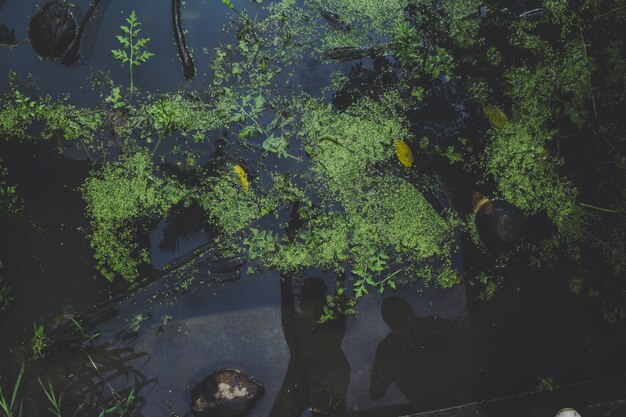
{"x": 52, "y": 30}
{"x": 226, "y": 393}
{"x": 499, "y": 222}
{"x": 567, "y": 412}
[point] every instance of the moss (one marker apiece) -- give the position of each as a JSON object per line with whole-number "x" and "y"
{"x": 120, "y": 197}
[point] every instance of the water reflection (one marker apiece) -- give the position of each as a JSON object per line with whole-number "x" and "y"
{"x": 90, "y": 379}
{"x": 318, "y": 373}
{"x": 428, "y": 358}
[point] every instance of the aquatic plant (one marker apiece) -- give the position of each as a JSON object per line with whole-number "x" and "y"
{"x": 19, "y": 112}
{"x": 364, "y": 208}
{"x": 115, "y": 98}
{"x": 420, "y": 63}
{"x": 10, "y": 406}
{"x": 38, "y": 342}
{"x": 527, "y": 178}
{"x": 365, "y": 217}
{"x": 545, "y": 383}
{"x": 173, "y": 112}
{"x": 338, "y": 304}
{"x": 133, "y": 51}
{"x": 227, "y": 202}
{"x": 363, "y": 23}
{"x": 86, "y": 337}
{"x": 122, "y": 405}
{"x": 120, "y": 197}
{"x": 53, "y": 400}
{"x": 518, "y": 157}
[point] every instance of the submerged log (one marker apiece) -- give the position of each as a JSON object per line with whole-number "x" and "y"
{"x": 189, "y": 68}
{"x": 334, "y": 20}
{"x": 351, "y": 53}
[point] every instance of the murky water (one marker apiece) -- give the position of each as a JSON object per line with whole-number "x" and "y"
{"x": 413, "y": 350}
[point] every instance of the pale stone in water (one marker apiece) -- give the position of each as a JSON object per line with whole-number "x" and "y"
{"x": 567, "y": 412}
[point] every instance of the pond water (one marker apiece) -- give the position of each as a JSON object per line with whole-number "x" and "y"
{"x": 196, "y": 307}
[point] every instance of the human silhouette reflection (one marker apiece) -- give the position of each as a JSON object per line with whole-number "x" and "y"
{"x": 429, "y": 358}
{"x": 318, "y": 373}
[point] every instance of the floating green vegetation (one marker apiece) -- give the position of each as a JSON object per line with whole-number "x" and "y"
{"x": 121, "y": 198}
{"x": 420, "y": 64}
{"x": 345, "y": 146}
{"x": 519, "y": 156}
{"x": 358, "y": 23}
{"x": 528, "y": 177}
{"x": 229, "y": 204}
{"x": 162, "y": 115}
{"x": 392, "y": 220}
{"x": 365, "y": 217}
{"x": 19, "y": 112}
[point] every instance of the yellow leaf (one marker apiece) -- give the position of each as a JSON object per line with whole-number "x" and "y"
{"x": 482, "y": 205}
{"x": 496, "y": 116}
{"x": 404, "y": 153}
{"x": 243, "y": 177}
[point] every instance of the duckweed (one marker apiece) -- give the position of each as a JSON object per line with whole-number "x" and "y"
{"x": 121, "y": 197}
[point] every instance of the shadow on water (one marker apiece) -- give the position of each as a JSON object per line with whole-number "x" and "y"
{"x": 318, "y": 373}
{"x": 428, "y": 358}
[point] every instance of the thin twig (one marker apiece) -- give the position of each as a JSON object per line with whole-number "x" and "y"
{"x": 591, "y": 206}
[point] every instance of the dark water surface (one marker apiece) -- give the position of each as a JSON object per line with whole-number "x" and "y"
{"x": 417, "y": 349}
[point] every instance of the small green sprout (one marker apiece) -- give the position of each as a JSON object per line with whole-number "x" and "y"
{"x": 133, "y": 51}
